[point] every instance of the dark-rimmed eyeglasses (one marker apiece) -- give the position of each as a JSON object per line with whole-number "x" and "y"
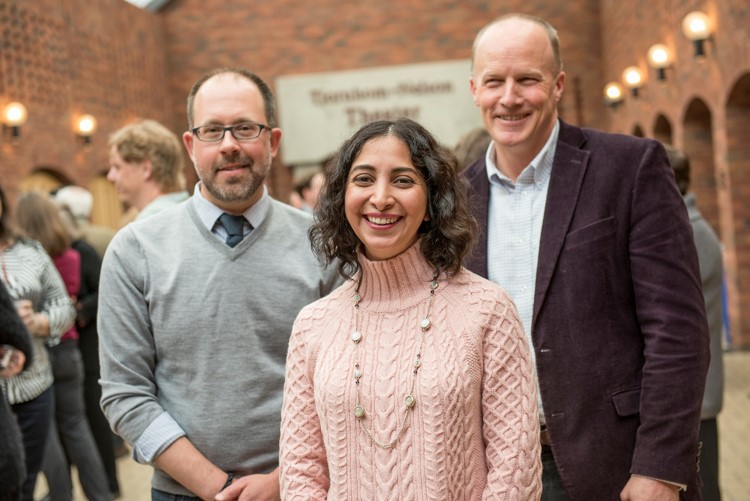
{"x": 244, "y": 131}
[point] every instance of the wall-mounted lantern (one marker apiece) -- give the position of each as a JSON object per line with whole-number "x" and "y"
{"x": 697, "y": 27}
{"x": 660, "y": 58}
{"x": 85, "y": 127}
{"x": 613, "y": 94}
{"x": 633, "y": 79}
{"x": 14, "y": 117}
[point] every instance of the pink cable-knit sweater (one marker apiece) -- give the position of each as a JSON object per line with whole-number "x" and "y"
{"x": 473, "y": 433}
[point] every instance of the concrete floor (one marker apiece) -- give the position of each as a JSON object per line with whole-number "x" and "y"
{"x": 734, "y": 429}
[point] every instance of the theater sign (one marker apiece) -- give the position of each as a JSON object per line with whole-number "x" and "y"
{"x": 318, "y": 111}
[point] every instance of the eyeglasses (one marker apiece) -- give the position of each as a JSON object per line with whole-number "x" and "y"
{"x": 244, "y": 131}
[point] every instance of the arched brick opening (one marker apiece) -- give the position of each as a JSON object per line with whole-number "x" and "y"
{"x": 107, "y": 209}
{"x": 738, "y": 163}
{"x": 698, "y": 144}
{"x": 638, "y": 131}
{"x": 44, "y": 179}
{"x": 663, "y": 129}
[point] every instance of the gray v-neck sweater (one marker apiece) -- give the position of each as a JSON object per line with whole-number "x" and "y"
{"x": 198, "y": 330}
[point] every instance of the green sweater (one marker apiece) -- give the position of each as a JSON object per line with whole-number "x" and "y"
{"x": 194, "y": 334}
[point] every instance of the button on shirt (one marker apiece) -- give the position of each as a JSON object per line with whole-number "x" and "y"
{"x": 514, "y": 227}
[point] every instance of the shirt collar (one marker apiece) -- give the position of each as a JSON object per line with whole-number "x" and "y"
{"x": 540, "y": 167}
{"x": 209, "y": 213}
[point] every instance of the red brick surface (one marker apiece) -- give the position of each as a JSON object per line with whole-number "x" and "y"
{"x": 105, "y": 57}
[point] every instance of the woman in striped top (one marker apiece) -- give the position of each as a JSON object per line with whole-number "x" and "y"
{"x": 45, "y": 307}
{"x": 70, "y": 440}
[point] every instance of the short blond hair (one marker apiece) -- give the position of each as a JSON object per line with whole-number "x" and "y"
{"x": 150, "y": 140}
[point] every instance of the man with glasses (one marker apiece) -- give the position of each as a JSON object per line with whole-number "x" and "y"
{"x": 197, "y": 305}
{"x": 145, "y": 165}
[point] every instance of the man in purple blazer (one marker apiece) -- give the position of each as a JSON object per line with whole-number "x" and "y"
{"x": 588, "y": 233}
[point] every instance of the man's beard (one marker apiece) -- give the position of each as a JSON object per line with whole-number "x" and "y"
{"x": 238, "y": 189}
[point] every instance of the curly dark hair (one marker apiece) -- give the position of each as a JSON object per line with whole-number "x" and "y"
{"x": 446, "y": 237}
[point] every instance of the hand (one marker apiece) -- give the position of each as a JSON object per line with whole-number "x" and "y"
{"x": 36, "y": 323}
{"x": 25, "y": 310}
{"x": 647, "y": 489}
{"x": 15, "y": 363}
{"x": 253, "y": 488}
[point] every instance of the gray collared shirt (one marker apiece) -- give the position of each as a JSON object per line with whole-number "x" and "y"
{"x": 209, "y": 213}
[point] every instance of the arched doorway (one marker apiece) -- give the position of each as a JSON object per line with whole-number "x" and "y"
{"x": 107, "y": 210}
{"x": 698, "y": 146}
{"x": 663, "y": 129}
{"x": 43, "y": 179}
{"x": 638, "y": 131}
{"x": 738, "y": 166}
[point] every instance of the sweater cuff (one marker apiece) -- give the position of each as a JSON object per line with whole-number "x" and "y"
{"x": 159, "y": 435}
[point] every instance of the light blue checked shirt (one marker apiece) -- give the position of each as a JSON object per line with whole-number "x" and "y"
{"x": 514, "y": 227}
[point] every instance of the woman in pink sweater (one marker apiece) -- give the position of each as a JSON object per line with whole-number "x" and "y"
{"x": 412, "y": 380}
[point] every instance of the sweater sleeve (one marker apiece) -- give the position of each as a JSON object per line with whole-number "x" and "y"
{"x": 509, "y": 409}
{"x": 304, "y": 467}
{"x": 127, "y": 353}
{"x": 68, "y": 264}
{"x": 14, "y": 332}
{"x": 56, "y": 305}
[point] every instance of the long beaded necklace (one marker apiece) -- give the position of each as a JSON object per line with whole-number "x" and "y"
{"x": 410, "y": 401}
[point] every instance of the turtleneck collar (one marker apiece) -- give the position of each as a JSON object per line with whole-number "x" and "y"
{"x": 395, "y": 284}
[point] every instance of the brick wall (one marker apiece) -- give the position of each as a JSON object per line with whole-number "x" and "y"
{"x": 694, "y": 99}
{"x": 65, "y": 58}
{"x": 108, "y": 58}
{"x": 288, "y": 37}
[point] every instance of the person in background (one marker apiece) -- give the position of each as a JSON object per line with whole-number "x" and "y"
{"x": 39, "y": 217}
{"x": 471, "y": 146}
{"x": 589, "y": 235}
{"x": 47, "y": 312}
{"x": 15, "y": 350}
{"x": 712, "y": 277}
{"x": 414, "y": 377}
{"x": 80, "y": 202}
{"x": 196, "y": 306}
{"x": 87, "y": 306}
{"x": 146, "y": 165}
{"x": 308, "y": 190}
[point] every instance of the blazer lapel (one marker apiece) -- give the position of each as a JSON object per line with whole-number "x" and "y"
{"x": 476, "y": 175}
{"x": 568, "y": 170}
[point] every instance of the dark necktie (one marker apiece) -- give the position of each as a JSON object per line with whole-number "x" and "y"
{"x": 233, "y": 225}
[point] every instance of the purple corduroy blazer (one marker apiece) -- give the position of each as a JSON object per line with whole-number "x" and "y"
{"x": 619, "y": 326}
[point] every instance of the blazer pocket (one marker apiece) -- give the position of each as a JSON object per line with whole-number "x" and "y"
{"x": 591, "y": 232}
{"x": 627, "y": 402}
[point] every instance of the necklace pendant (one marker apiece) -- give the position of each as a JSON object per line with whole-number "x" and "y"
{"x": 425, "y": 323}
{"x": 357, "y": 374}
{"x": 356, "y": 337}
{"x": 359, "y": 412}
{"x": 409, "y": 401}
